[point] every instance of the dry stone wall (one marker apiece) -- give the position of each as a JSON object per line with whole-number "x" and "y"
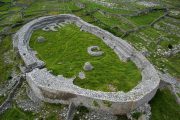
{"x": 57, "y": 89}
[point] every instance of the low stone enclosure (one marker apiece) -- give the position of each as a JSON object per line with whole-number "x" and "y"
{"x": 57, "y": 89}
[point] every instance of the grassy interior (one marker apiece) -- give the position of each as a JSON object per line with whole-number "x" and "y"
{"x": 65, "y": 52}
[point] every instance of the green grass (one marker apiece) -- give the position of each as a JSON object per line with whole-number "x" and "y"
{"x": 113, "y": 21}
{"x": 107, "y": 103}
{"x": 14, "y": 18}
{"x": 92, "y": 5}
{"x": 53, "y": 111}
{"x": 95, "y": 103}
{"x": 16, "y": 114}
{"x": 146, "y": 19}
{"x": 153, "y": 35}
{"x": 164, "y": 106}
{"x": 53, "y": 5}
{"x": 5, "y": 69}
{"x": 2, "y": 99}
{"x": 136, "y": 115}
{"x": 4, "y": 7}
{"x": 65, "y": 52}
{"x": 82, "y": 111}
{"x": 173, "y": 65}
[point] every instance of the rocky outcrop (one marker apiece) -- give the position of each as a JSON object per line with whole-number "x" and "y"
{"x": 8, "y": 102}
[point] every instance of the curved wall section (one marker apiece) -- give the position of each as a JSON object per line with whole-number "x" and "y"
{"x": 57, "y": 89}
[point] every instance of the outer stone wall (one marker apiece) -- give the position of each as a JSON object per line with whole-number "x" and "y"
{"x": 57, "y": 89}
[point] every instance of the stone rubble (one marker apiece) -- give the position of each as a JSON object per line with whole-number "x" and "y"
{"x": 41, "y": 39}
{"x": 8, "y": 102}
{"x": 7, "y": 56}
{"x": 98, "y": 115}
{"x": 28, "y": 105}
{"x": 145, "y": 111}
{"x": 80, "y": 5}
{"x": 147, "y": 4}
{"x": 87, "y": 66}
{"x": 105, "y": 3}
{"x": 172, "y": 52}
{"x": 81, "y": 75}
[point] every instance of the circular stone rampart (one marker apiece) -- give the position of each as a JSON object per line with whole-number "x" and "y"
{"x": 57, "y": 89}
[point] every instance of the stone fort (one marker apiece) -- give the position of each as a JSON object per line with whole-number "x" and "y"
{"x": 58, "y": 89}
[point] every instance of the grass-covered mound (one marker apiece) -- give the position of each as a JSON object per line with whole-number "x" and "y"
{"x": 65, "y": 53}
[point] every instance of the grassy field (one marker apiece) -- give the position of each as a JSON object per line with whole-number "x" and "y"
{"x": 146, "y": 19}
{"x": 164, "y": 106}
{"x": 5, "y": 68}
{"x": 65, "y": 52}
{"x": 16, "y": 114}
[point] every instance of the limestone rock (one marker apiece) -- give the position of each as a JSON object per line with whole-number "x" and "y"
{"x": 88, "y": 66}
{"x": 142, "y": 117}
{"x": 81, "y": 75}
{"x": 41, "y": 39}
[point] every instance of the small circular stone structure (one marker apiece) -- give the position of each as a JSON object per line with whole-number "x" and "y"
{"x": 56, "y": 89}
{"x": 87, "y": 66}
{"x": 94, "y": 51}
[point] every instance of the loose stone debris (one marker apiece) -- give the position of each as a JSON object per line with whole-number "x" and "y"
{"x": 41, "y": 39}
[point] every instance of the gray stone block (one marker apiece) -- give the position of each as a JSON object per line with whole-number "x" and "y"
{"x": 87, "y": 66}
